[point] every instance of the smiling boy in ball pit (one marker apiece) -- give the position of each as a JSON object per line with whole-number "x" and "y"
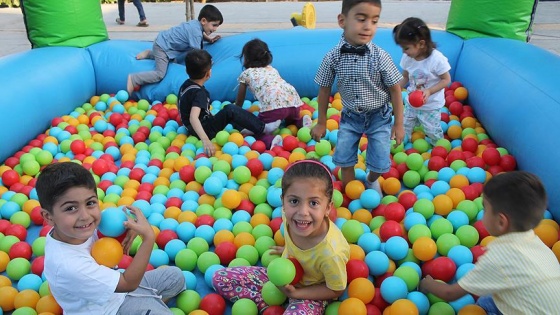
{"x": 365, "y": 94}
{"x": 518, "y": 273}
{"x": 68, "y": 197}
{"x": 311, "y": 238}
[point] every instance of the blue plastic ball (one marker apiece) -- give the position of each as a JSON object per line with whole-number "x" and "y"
{"x": 377, "y": 262}
{"x": 112, "y": 222}
{"x": 393, "y": 288}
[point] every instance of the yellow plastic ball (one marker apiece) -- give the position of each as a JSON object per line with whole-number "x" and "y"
{"x": 231, "y": 199}
{"x": 362, "y": 289}
{"x": 354, "y": 189}
{"x": 352, "y": 306}
{"x": 107, "y": 251}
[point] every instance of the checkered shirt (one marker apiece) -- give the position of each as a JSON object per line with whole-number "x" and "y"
{"x": 363, "y": 81}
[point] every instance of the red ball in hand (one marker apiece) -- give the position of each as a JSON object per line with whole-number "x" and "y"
{"x": 416, "y": 98}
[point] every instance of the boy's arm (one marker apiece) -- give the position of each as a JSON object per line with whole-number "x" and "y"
{"x": 197, "y": 126}
{"x": 131, "y": 277}
{"x": 241, "y": 94}
{"x": 447, "y": 292}
{"x": 404, "y": 80}
{"x": 320, "y": 128}
{"x": 396, "y": 99}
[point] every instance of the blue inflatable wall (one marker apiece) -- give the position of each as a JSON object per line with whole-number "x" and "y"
{"x": 511, "y": 85}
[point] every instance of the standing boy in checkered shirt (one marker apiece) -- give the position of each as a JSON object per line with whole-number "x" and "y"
{"x": 367, "y": 80}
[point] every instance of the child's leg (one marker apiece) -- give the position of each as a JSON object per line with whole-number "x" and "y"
{"x": 241, "y": 283}
{"x": 160, "y": 57}
{"x": 409, "y": 121}
{"x": 430, "y": 120}
{"x": 156, "y": 287}
{"x": 297, "y": 307}
{"x": 487, "y": 303}
{"x": 235, "y": 115}
{"x": 378, "y": 132}
{"x": 345, "y": 155}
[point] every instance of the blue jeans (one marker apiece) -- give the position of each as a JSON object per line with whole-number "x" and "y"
{"x": 137, "y": 4}
{"x": 376, "y": 125}
{"x": 487, "y": 303}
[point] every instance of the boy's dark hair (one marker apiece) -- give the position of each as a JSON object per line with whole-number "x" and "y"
{"x": 308, "y": 169}
{"x": 198, "y": 62}
{"x": 256, "y": 54}
{"x": 411, "y": 31}
{"x": 349, "y": 4}
{"x": 519, "y": 195}
{"x": 57, "y": 178}
{"x": 211, "y": 14}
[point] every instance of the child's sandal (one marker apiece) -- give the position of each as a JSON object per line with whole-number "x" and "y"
{"x": 119, "y": 21}
{"x": 142, "y": 23}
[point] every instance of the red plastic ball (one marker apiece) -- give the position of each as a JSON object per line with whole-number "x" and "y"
{"x": 100, "y": 167}
{"x": 356, "y": 268}
{"x": 275, "y": 224}
{"x": 45, "y": 230}
{"x": 491, "y": 156}
{"x": 186, "y": 173}
{"x": 299, "y": 271}
{"x": 274, "y": 310}
{"x": 125, "y": 261}
{"x": 255, "y": 166}
{"x": 36, "y": 216}
{"x": 164, "y": 237}
{"x": 393, "y": 172}
{"x": 456, "y": 108}
{"x": 38, "y": 265}
{"x": 395, "y": 211}
{"x": 16, "y": 230}
{"x": 407, "y": 200}
{"x": 389, "y": 229}
{"x": 372, "y": 310}
{"x": 137, "y": 174}
{"x": 173, "y": 202}
{"x": 416, "y": 98}
{"x": 4, "y": 224}
{"x": 258, "y": 146}
{"x": 246, "y": 205}
{"x": 436, "y": 163}
{"x": 477, "y": 251}
{"x": 21, "y": 250}
{"x": 455, "y": 85}
{"x": 443, "y": 268}
{"x": 508, "y": 163}
{"x": 290, "y": 143}
{"x": 482, "y": 232}
{"x": 455, "y": 155}
{"x": 476, "y": 161}
{"x": 226, "y": 252}
{"x": 469, "y": 144}
{"x": 10, "y": 177}
{"x": 213, "y": 304}
{"x": 204, "y": 219}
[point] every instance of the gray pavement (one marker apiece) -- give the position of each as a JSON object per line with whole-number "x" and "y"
{"x": 252, "y": 16}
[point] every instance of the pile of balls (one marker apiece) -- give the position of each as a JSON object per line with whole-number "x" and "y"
{"x": 225, "y": 210}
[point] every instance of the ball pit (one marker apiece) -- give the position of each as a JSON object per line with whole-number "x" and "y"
{"x": 139, "y": 154}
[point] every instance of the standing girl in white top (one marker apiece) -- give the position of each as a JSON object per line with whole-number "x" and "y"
{"x": 278, "y": 100}
{"x": 424, "y": 68}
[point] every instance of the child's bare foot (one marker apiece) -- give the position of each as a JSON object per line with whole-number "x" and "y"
{"x": 143, "y": 55}
{"x": 129, "y": 85}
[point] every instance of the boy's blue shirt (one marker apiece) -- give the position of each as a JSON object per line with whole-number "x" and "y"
{"x": 181, "y": 38}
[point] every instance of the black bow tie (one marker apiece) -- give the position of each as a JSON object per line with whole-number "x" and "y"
{"x": 345, "y": 49}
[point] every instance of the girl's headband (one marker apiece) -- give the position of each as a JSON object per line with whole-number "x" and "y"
{"x": 314, "y": 162}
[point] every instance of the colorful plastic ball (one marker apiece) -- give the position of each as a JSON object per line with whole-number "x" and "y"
{"x": 213, "y": 304}
{"x": 209, "y": 274}
{"x": 420, "y": 300}
{"x": 20, "y": 249}
{"x": 29, "y": 281}
{"x": 409, "y": 275}
{"x": 188, "y": 301}
{"x": 393, "y": 288}
{"x": 356, "y": 269}
{"x": 7, "y": 297}
{"x": 48, "y": 304}
{"x": 281, "y": 271}
{"x": 424, "y": 248}
{"x": 377, "y": 262}
{"x": 272, "y": 295}
{"x": 207, "y": 259}
{"x": 274, "y": 310}
{"x": 352, "y": 230}
{"x": 107, "y": 251}
{"x": 396, "y": 248}
{"x": 244, "y": 307}
{"x": 352, "y": 306}
{"x": 404, "y": 307}
{"x": 17, "y": 268}
{"x": 112, "y": 222}
{"x": 362, "y": 289}
{"x": 441, "y": 308}
{"x": 416, "y": 98}
{"x": 26, "y": 298}
{"x": 471, "y": 309}
{"x": 389, "y": 229}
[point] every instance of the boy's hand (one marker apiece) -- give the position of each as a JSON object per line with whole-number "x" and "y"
{"x": 397, "y": 133}
{"x": 319, "y": 132}
{"x": 209, "y": 147}
{"x": 127, "y": 241}
{"x": 425, "y": 284}
{"x": 425, "y": 95}
{"x": 215, "y": 39}
{"x": 288, "y": 290}
{"x": 138, "y": 223}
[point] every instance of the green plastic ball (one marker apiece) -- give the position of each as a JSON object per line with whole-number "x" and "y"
{"x": 241, "y": 174}
{"x": 441, "y": 226}
{"x": 272, "y": 295}
{"x": 198, "y": 245}
{"x": 425, "y": 207}
{"x": 21, "y": 218}
{"x": 17, "y": 268}
{"x": 38, "y": 246}
{"x": 400, "y": 157}
{"x": 267, "y": 257}
{"x": 222, "y": 137}
{"x": 414, "y": 161}
{"x": 468, "y": 235}
{"x": 352, "y": 230}
{"x": 242, "y": 226}
{"x": 304, "y": 134}
{"x": 249, "y": 253}
{"x": 202, "y": 173}
{"x": 257, "y": 194}
{"x": 263, "y": 243}
{"x": 411, "y": 178}
{"x": 186, "y": 259}
{"x": 440, "y": 307}
{"x": 44, "y": 157}
{"x": 244, "y": 307}
{"x": 281, "y": 271}
{"x": 323, "y": 147}
{"x": 262, "y": 230}
{"x": 409, "y": 275}
{"x": 207, "y": 259}
{"x": 446, "y": 242}
{"x": 171, "y": 99}
{"x": 239, "y": 262}
{"x": 188, "y": 301}
{"x": 417, "y": 231}
{"x": 421, "y": 145}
